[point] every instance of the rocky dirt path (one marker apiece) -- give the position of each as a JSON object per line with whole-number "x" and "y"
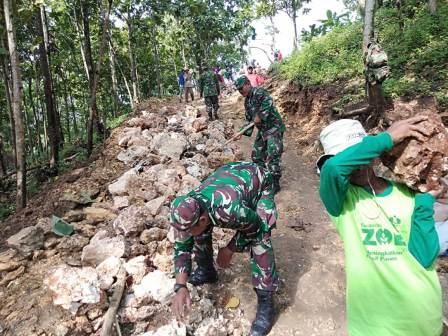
{"x": 309, "y": 257}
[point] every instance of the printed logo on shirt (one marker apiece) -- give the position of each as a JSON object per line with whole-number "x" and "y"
{"x": 382, "y": 244}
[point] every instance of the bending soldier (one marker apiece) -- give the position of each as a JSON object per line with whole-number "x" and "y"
{"x": 238, "y": 196}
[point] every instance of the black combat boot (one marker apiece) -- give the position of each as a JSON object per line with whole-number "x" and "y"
{"x": 216, "y": 114}
{"x": 276, "y": 184}
{"x": 264, "y": 320}
{"x": 210, "y": 116}
{"x": 204, "y": 273}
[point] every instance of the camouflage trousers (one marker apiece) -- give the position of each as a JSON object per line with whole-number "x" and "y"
{"x": 267, "y": 152}
{"x": 262, "y": 260}
{"x": 212, "y": 106}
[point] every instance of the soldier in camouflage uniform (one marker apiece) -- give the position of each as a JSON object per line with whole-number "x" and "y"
{"x": 268, "y": 145}
{"x": 209, "y": 89}
{"x": 237, "y": 196}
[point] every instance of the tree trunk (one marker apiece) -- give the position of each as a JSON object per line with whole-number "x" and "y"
{"x": 60, "y": 133}
{"x": 41, "y": 112}
{"x": 374, "y": 92}
{"x": 87, "y": 43}
{"x": 273, "y": 31}
{"x": 296, "y": 38}
{"x": 8, "y": 95}
{"x": 183, "y": 57}
{"x": 16, "y": 106}
{"x": 92, "y": 104}
{"x": 2, "y": 157}
{"x": 113, "y": 75}
{"x": 157, "y": 59}
{"x": 132, "y": 60}
{"x": 33, "y": 108}
{"x": 368, "y": 23}
{"x": 128, "y": 89}
{"x": 432, "y": 4}
{"x": 66, "y": 103}
{"x": 53, "y": 130}
{"x": 78, "y": 32}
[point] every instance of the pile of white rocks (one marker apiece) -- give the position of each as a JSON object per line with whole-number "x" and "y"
{"x": 167, "y": 156}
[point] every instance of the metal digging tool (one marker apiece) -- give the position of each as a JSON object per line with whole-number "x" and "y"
{"x": 233, "y": 138}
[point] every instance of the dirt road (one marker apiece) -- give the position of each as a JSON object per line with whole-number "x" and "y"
{"x": 310, "y": 257}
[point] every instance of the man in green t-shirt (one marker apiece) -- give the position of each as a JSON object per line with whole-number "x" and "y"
{"x": 388, "y": 231}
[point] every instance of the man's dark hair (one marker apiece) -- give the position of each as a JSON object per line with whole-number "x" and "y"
{"x": 250, "y": 67}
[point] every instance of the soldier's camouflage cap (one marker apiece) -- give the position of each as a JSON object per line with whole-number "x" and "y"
{"x": 241, "y": 81}
{"x": 184, "y": 213}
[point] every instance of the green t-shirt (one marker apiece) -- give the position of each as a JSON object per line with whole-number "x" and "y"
{"x": 389, "y": 293}
{"x": 390, "y": 246}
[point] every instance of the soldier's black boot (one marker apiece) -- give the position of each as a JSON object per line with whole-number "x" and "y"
{"x": 264, "y": 319}
{"x": 276, "y": 184}
{"x": 210, "y": 115}
{"x": 204, "y": 273}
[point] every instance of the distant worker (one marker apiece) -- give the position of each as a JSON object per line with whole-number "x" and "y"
{"x": 260, "y": 109}
{"x": 278, "y": 55}
{"x": 189, "y": 85}
{"x": 255, "y": 80}
{"x": 388, "y": 231}
{"x": 210, "y": 90}
{"x": 181, "y": 82}
{"x": 237, "y": 196}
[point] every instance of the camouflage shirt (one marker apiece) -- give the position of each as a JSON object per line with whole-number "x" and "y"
{"x": 259, "y": 102}
{"x": 231, "y": 195}
{"x": 209, "y": 84}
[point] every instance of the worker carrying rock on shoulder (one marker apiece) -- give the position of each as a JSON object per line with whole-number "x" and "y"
{"x": 237, "y": 196}
{"x": 388, "y": 230}
{"x": 260, "y": 109}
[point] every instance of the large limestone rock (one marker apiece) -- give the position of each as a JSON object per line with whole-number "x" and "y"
{"x": 197, "y": 166}
{"x": 107, "y": 270}
{"x": 218, "y": 159}
{"x": 101, "y": 247}
{"x": 96, "y": 215}
{"x": 199, "y": 124}
{"x": 134, "y": 153}
{"x": 137, "y": 268}
{"x": 27, "y": 240}
{"x": 72, "y": 286}
{"x": 421, "y": 165}
{"x": 132, "y": 220}
{"x": 188, "y": 183}
{"x": 156, "y": 286}
{"x": 169, "y": 144}
{"x": 153, "y": 234}
{"x": 155, "y": 205}
{"x": 120, "y": 186}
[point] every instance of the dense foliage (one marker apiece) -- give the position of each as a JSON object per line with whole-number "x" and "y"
{"x": 415, "y": 41}
{"x": 145, "y": 47}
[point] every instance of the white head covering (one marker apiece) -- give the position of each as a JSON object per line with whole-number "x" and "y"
{"x": 338, "y": 136}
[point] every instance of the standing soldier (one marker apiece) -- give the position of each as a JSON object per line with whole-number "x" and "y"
{"x": 268, "y": 145}
{"x": 237, "y": 196}
{"x": 209, "y": 89}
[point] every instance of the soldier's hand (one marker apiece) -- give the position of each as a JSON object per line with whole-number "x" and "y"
{"x": 403, "y": 129}
{"x": 181, "y": 304}
{"x": 224, "y": 257}
{"x": 257, "y": 120}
